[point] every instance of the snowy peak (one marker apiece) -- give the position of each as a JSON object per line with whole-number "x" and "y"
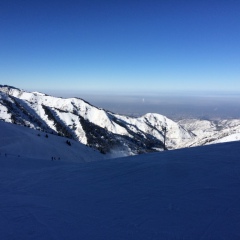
{"x": 95, "y": 127}
{"x": 7, "y": 89}
{"x": 106, "y": 131}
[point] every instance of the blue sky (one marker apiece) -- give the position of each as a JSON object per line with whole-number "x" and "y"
{"x": 119, "y": 46}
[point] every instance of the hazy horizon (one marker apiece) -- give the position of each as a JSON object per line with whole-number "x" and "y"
{"x": 176, "y": 105}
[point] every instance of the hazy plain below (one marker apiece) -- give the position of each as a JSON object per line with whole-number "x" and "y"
{"x": 177, "y": 106}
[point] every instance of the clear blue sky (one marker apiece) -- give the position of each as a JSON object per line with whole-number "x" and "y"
{"x": 119, "y": 45}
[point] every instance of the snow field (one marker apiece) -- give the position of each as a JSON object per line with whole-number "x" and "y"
{"x": 189, "y": 193}
{"x": 28, "y": 143}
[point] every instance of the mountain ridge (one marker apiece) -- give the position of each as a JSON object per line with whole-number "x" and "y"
{"x": 76, "y": 118}
{"x": 106, "y": 131}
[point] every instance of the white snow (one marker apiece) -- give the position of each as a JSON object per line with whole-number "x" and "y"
{"x": 187, "y": 194}
{"x": 185, "y": 133}
{"x": 65, "y": 109}
{"x": 211, "y": 132}
{"x": 4, "y": 115}
{"x": 176, "y": 135}
{"x": 28, "y": 143}
{"x": 230, "y": 138}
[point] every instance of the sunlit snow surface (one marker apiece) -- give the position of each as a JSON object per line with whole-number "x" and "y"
{"x": 211, "y": 132}
{"x": 190, "y": 193}
{"x": 22, "y": 142}
{"x": 68, "y": 110}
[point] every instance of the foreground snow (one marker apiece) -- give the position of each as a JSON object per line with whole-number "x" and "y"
{"x": 183, "y": 194}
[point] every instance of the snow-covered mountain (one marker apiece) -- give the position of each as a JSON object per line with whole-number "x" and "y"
{"x": 188, "y": 193}
{"x": 108, "y": 132}
{"x": 92, "y": 126}
{"x": 210, "y": 132}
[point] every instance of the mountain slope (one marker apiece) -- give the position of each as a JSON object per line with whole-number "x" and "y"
{"x": 79, "y": 120}
{"x": 23, "y": 142}
{"x": 182, "y": 194}
{"x": 209, "y": 132}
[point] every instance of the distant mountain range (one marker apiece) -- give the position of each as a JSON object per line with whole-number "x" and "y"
{"x": 106, "y": 131}
{"x": 210, "y": 132}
